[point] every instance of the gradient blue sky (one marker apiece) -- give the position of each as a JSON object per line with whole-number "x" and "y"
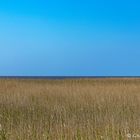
{"x": 70, "y": 37}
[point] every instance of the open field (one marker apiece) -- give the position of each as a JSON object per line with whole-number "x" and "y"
{"x": 80, "y": 109}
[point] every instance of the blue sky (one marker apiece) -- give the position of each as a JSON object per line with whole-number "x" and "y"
{"x": 70, "y": 37}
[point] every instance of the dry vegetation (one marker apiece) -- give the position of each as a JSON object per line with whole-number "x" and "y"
{"x": 82, "y": 109}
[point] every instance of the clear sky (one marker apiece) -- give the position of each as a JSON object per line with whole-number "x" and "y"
{"x": 70, "y": 37}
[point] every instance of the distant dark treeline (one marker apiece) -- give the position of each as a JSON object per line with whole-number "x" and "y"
{"x": 63, "y": 77}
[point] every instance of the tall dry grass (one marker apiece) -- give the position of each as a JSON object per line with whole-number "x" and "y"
{"x": 80, "y": 109}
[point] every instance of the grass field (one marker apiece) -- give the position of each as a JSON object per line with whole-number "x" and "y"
{"x": 80, "y": 109}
